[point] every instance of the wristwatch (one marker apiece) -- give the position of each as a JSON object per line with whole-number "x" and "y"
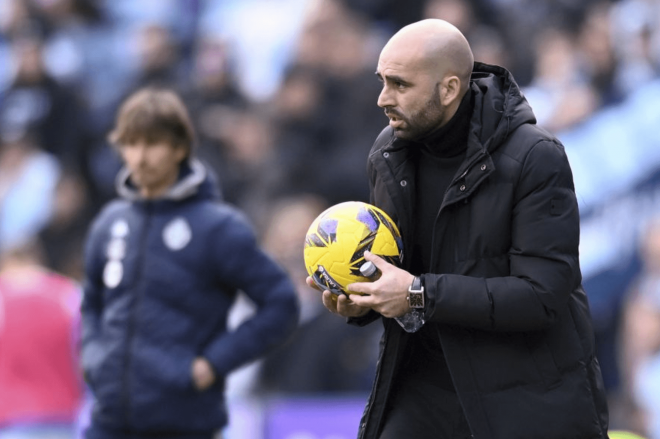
{"x": 416, "y": 294}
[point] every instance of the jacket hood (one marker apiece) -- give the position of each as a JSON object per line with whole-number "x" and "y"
{"x": 194, "y": 180}
{"x": 499, "y": 105}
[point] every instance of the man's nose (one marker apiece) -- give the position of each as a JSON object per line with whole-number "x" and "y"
{"x": 139, "y": 154}
{"x": 385, "y": 98}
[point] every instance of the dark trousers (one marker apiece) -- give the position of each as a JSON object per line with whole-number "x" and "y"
{"x": 421, "y": 410}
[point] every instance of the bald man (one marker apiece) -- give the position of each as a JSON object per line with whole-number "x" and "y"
{"x": 488, "y": 333}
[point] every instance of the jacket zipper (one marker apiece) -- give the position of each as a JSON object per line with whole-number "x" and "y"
{"x": 437, "y": 216}
{"x": 126, "y": 394}
{"x": 444, "y": 203}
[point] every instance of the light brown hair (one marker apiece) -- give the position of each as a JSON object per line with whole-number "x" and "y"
{"x": 153, "y": 115}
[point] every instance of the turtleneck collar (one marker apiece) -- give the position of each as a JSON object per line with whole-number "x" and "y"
{"x": 451, "y": 139}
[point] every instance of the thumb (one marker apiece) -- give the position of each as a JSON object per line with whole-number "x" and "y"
{"x": 379, "y": 262}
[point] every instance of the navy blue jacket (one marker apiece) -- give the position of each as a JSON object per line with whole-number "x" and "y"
{"x": 161, "y": 276}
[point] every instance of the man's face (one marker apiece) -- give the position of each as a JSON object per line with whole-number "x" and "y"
{"x": 410, "y": 94}
{"x": 154, "y": 166}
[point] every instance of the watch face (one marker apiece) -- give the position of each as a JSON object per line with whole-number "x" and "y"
{"x": 416, "y": 300}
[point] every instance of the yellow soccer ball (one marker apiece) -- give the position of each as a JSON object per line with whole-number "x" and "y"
{"x": 339, "y": 236}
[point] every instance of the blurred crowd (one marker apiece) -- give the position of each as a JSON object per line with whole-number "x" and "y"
{"x": 283, "y": 95}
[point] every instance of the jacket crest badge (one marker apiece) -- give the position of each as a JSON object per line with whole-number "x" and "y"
{"x": 177, "y": 234}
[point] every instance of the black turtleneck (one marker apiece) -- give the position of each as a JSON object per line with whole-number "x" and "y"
{"x": 437, "y": 160}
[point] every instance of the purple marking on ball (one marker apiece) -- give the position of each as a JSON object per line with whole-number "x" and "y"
{"x": 329, "y": 226}
{"x": 365, "y": 217}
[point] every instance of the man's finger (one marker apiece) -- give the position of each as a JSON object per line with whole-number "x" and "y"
{"x": 343, "y": 303}
{"x": 359, "y": 287}
{"x": 310, "y": 282}
{"x": 329, "y": 301}
{"x": 357, "y": 299}
{"x": 379, "y": 262}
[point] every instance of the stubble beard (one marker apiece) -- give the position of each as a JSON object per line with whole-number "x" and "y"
{"x": 421, "y": 123}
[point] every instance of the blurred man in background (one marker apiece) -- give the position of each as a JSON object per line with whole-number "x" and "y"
{"x": 164, "y": 264}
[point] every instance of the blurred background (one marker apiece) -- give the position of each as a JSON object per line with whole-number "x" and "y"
{"x": 283, "y": 96}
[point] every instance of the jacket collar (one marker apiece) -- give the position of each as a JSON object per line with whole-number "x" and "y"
{"x": 192, "y": 176}
{"x": 499, "y": 108}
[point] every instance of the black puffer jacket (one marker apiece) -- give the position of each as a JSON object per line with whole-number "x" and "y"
{"x": 506, "y": 293}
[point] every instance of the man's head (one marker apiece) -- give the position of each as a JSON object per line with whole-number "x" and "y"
{"x": 425, "y": 69}
{"x": 153, "y": 134}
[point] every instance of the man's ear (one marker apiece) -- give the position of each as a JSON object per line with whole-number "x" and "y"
{"x": 450, "y": 89}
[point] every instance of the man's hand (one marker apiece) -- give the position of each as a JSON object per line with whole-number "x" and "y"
{"x": 388, "y": 294}
{"x": 202, "y": 373}
{"x": 338, "y": 304}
